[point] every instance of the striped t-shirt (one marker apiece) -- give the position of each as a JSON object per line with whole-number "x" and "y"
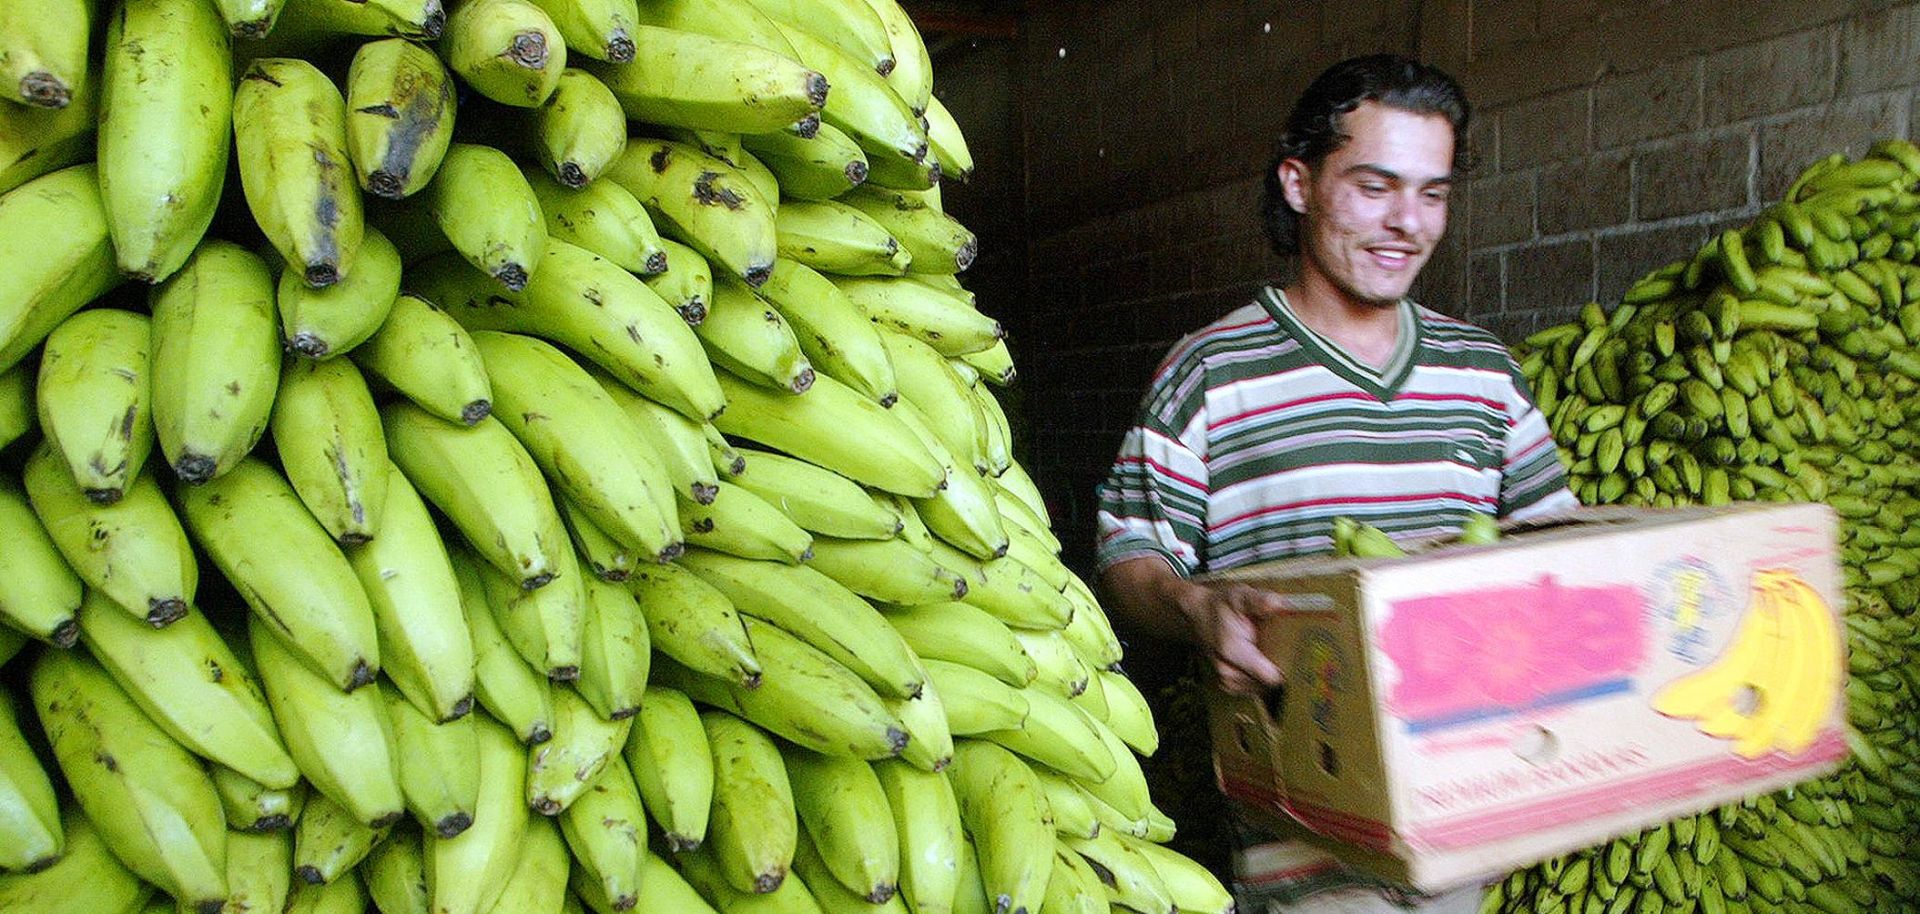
{"x": 1257, "y": 432}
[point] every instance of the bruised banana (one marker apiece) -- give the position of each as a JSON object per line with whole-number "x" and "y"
{"x": 754, "y": 826}
{"x": 400, "y": 106}
{"x": 39, "y": 141}
{"x": 216, "y": 360}
{"x": 133, "y": 550}
{"x": 94, "y": 398}
{"x": 939, "y": 319}
{"x": 702, "y": 201}
{"x": 687, "y": 283}
{"x": 290, "y": 135}
{"x": 819, "y": 167}
{"x": 834, "y": 334}
{"x": 43, "y": 55}
{"x": 604, "y": 218}
{"x": 694, "y": 623}
{"x": 322, "y": 323}
{"x": 327, "y": 432}
{"x": 832, "y": 237}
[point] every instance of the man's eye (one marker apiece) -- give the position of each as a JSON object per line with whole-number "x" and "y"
{"x": 1373, "y": 188}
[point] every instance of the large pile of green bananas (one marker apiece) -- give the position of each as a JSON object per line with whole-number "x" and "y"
{"x": 637, "y": 529}
{"x": 1778, "y": 363}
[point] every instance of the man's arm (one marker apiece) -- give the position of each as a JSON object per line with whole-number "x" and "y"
{"x": 1218, "y": 618}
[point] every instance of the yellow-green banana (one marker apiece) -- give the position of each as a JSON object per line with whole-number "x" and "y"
{"x": 818, "y": 167}
{"x": 1005, "y": 809}
{"x": 685, "y": 79}
{"x": 581, "y": 129}
{"x": 687, "y": 283}
{"x": 303, "y": 24}
{"x": 400, "y": 109}
{"x": 937, "y": 242}
{"x": 482, "y": 479}
{"x": 43, "y": 51}
{"x": 1061, "y": 736}
{"x": 701, "y": 872}
{"x": 832, "y": 237}
{"x": 545, "y": 624}
{"x": 438, "y": 765}
{"x": 429, "y": 358}
{"x": 890, "y": 570}
{"x": 754, "y": 824}
{"x": 193, "y": 686}
{"x": 817, "y": 499}
{"x": 694, "y": 623}
{"x": 251, "y": 806}
{"x": 815, "y": 609}
{"x": 488, "y": 211}
{"x": 165, "y": 112}
{"x": 539, "y": 878}
{"x": 607, "y": 832}
{"x": 963, "y": 513}
{"x": 995, "y": 364}
{"x": 94, "y": 395}
{"x": 133, "y": 550}
{"x": 216, "y": 360}
{"x": 829, "y": 895}
{"x": 16, "y": 403}
{"x": 1126, "y": 790}
{"x": 926, "y": 380}
{"x": 251, "y": 19}
{"x": 865, "y": 107}
{"x": 948, "y": 144}
{"x": 88, "y": 878}
{"x": 927, "y": 831}
{"x": 322, "y": 323}
{"x": 844, "y": 810}
{"x": 966, "y": 635}
{"x": 290, "y": 134}
{"x": 396, "y": 873}
{"x": 740, "y": 523}
{"x": 510, "y": 51}
{"x": 924, "y": 717}
{"x": 977, "y": 703}
{"x": 327, "y": 432}
{"x": 606, "y": 559}
{"x": 37, "y": 141}
{"x": 1074, "y": 887}
{"x": 342, "y": 741}
{"x": 468, "y": 872}
{"x": 601, "y": 29}
{"x": 833, "y": 426}
{"x": 259, "y": 871}
{"x": 1128, "y": 714}
{"x": 749, "y": 338}
{"x": 1009, "y": 590}
{"x": 507, "y": 687}
{"x": 603, "y": 218}
{"x": 835, "y": 335}
{"x": 329, "y": 842}
{"x": 425, "y": 647}
{"x": 941, "y": 320}
{"x": 672, "y": 766}
{"x": 29, "y": 813}
{"x": 702, "y": 201}
{"x": 344, "y": 895}
{"x": 561, "y": 769}
{"x": 39, "y": 594}
{"x": 1072, "y": 815}
{"x": 680, "y": 443}
{"x": 1131, "y": 880}
{"x": 1061, "y": 671}
{"x": 616, "y": 652}
{"x": 850, "y": 25}
{"x": 54, "y": 238}
{"x": 1188, "y": 884}
{"x": 152, "y": 801}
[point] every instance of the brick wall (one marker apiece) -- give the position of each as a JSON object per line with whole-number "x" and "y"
{"x": 1612, "y": 137}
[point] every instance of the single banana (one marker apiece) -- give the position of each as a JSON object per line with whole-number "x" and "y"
{"x": 739, "y": 523}
{"x": 1160, "y": 827}
{"x": 810, "y": 867}
{"x": 539, "y": 878}
{"x": 251, "y": 806}
{"x": 468, "y": 872}
{"x": 845, "y": 811}
{"x": 994, "y": 364}
{"x": 152, "y": 801}
{"x": 429, "y": 358}
{"x": 1126, "y": 790}
{"x": 510, "y": 51}
{"x": 749, "y": 338}
{"x": 400, "y": 105}
{"x": 1130, "y": 877}
{"x": 1188, "y": 884}
{"x": 812, "y": 607}
{"x": 963, "y": 513}
{"x": 1017, "y": 483}
{"x": 928, "y": 833}
{"x": 425, "y": 647}
{"x": 832, "y": 237}
{"x": 39, "y": 594}
{"x": 815, "y": 498}
{"x": 133, "y": 550}
{"x": 1005, "y": 809}
{"x": 487, "y": 209}
{"x": 288, "y": 569}
{"x": 16, "y": 403}
{"x": 342, "y": 741}
{"x": 835, "y": 335}
{"x": 672, "y": 766}
{"x": 1012, "y": 592}
{"x": 702, "y": 872}
{"x": 87, "y": 879}
{"x": 937, "y": 242}
{"x": 322, "y": 323}
{"x": 438, "y": 765}
{"x": 942, "y": 321}
{"x": 607, "y": 832}
{"x": 482, "y": 479}
{"x": 1129, "y": 715}
{"x": 946, "y": 141}
{"x": 754, "y": 824}
{"x": 43, "y": 54}
{"x": 581, "y": 130}
{"x": 593, "y": 307}
{"x": 38, "y": 141}
{"x": 1057, "y": 734}
{"x": 680, "y": 443}
{"x": 582, "y": 439}
{"x": 507, "y": 687}
{"x": 93, "y": 399}
{"x": 836, "y": 428}
{"x": 891, "y": 570}
{"x": 1032, "y": 551}
{"x": 865, "y": 107}
{"x": 976, "y": 703}
{"x": 966, "y": 635}
{"x": 290, "y": 134}
{"x": 694, "y": 623}
{"x": 259, "y": 871}
{"x": 687, "y": 282}
{"x": 999, "y": 431}
{"x": 1072, "y": 814}
{"x": 926, "y": 380}
{"x": 805, "y": 697}
{"x": 216, "y": 360}
{"x": 603, "y": 557}
{"x": 702, "y": 201}
{"x": 29, "y": 813}
{"x": 602, "y": 218}
{"x": 1074, "y": 887}
{"x": 306, "y": 25}
{"x": 1015, "y": 509}
{"x": 342, "y": 896}
{"x": 685, "y": 79}
{"x": 819, "y": 167}
{"x": 850, "y": 25}
{"x": 912, "y": 73}
{"x": 615, "y": 651}
{"x": 1061, "y": 671}
{"x": 970, "y": 896}
{"x": 396, "y": 873}
{"x": 193, "y": 687}
{"x": 165, "y": 111}
{"x": 329, "y": 842}
{"x": 561, "y": 769}
{"x": 601, "y": 29}
{"x": 544, "y": 625}
{"x": 54, "y": 237}
{"x": 327, "y": 432}
{"x": 663, "y": 889}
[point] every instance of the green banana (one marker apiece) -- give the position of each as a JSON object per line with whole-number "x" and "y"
{"x": 38, "y": 141}
{"x": 601, "y": 29}
{"x": 305, "y": 23}
{"x": 927, "y": 831}
{"x": 1005, "y": 809}
{"x": 581, "y": 129}
{"x": 740, "y": 523}
{"x": 680, "y": 443}
{"x": 43, "y": 57}
{"x": 1072, "y": 811}
{"x": 940, "y": 319}
{"x": 467, "y": 873}
{"x": 966, "y": 635}
{"x": 396, "y": 875}
{"x": 846, "y": 815}
{"x": 507, "y": 50}
{"x": 251, "y": 806}
{"x": 16, "y": 404}
{"x": 1009, "y": 590}
{"x": 400, "y": 107}
{"x": 322, "y": 323}
{"x": 890, "y": 570}
{"x": 833, "y": 237}
{"x": 603, "y": 218}
{"x": 702, "y": 201}
{"x": 912, "y": 73}
{"x": 545, "y": 625}
{"x": 216, "y": 360}
{"x": 754, "y": 825}
{"x": 29, "y": 813}
{"x": 672, "y": 766}
{"x": 133, "y": 550}
{"x": 834, "y": 334}
{"x": 1074, "y": 887}
{"x": 976, "y": 703}
{"x": 88, "y": 878}
{"x": 818, "y": 167}
{"x": 290, "y": 135}
{"x": 507, "y": 687}
{"x": 816, "y": 499}
{"x": 1129, "y": 715}
{"x": 605, "y": 558}
{"x": 924, "y": 717}
{"x": 341, "y": 896}
{"x": 849, "y": 25}
{"x": 749, "y": 338}
{"x": 963, "y": 513}
{"x": 342, "y": 741}
{"x": 328, "y": 842}
{"x": 425, "y": 647}
{"x": 1061, "y": 671}
{"x": 429, "y": 358}
{"x": 687, "y": 284}
{"x": 930, "y": 383}
{"x": 865, "y": 107}
{"x": 259, "y": 871}
{"x": 946, "y": 142}
{"x": 539, "y": 878}
{"x": 327, "y": 432}
{"x": 438, "y": 765}
{"x": 703, "y": 874}
{"x": 686, "y": 79}
{"x": 1131, "y": 878}
{"x": 488, "y": 211}
{"x": 1063, "y": 737}
{"x": 561, "y": 769}
{"x": 93, "y": 398}
{"x": 694, "y": 623}
{"x": 937, "y": 242}
{"x": 836, "y": 428}
{"x": 616, "y": 651}
{"x": 165, "y": 112}
{"x": 995, "y": 364}
{"x": 39, "y": 594}
{"x": 607, "y": 832}
{"x": 54, "y": 236}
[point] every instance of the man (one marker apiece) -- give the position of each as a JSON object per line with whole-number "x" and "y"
{"x": 1333, "y": 395}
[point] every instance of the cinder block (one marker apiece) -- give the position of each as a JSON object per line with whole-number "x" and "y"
{"x": 1594, "y": 192}
{"x": 1647, "y": 105}
{"x": 1544, "y": 129}
{"x": 1880, "y": 51}
{"x": 1768, "y": 77}
{"x": 1502, "y": 209}
{"x": 1550, "y": 275}
{"x": 1695, "y": 174}
{"x": 1847, "y": 126}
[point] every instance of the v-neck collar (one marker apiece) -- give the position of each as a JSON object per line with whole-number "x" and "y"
{"x": 1383, "y": 383}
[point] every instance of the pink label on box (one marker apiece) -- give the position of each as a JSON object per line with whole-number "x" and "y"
{"x": 1482, "y": 654}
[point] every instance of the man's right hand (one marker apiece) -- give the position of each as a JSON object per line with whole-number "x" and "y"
{"x": 1224, "y": 619}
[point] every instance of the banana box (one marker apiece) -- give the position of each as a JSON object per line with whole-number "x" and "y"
{"x": 1466, "y": 710}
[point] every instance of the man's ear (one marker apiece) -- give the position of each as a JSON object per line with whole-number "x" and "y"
{"x": 1293, "y": 183}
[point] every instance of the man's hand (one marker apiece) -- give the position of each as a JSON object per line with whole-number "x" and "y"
{"x": 1224, "y": 619}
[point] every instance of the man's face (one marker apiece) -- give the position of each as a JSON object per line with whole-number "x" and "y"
{"x": 1372, "y": 210}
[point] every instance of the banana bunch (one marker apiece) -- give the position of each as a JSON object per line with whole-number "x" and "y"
{"x": 1775, "y": 363}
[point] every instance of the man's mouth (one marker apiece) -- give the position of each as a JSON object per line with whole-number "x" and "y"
{"x": 1391, "y": 258}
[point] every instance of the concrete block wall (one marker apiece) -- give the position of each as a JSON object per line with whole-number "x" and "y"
{"x": 1612, "y": 136}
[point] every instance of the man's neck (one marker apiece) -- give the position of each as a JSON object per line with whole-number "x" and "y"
{"x": 1367, "y": 331}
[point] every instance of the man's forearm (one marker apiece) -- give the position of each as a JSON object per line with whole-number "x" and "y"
{"x": 1142, "y": 593}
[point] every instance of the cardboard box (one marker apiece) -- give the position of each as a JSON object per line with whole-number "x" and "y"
{"x": 1450, "y": 716}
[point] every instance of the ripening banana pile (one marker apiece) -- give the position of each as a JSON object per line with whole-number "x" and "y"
{"x": 558, "y": 471}
{"x": 1779, "y": 363}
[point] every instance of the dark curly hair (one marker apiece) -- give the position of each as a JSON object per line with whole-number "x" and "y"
{"x": 1313, "y": 128}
